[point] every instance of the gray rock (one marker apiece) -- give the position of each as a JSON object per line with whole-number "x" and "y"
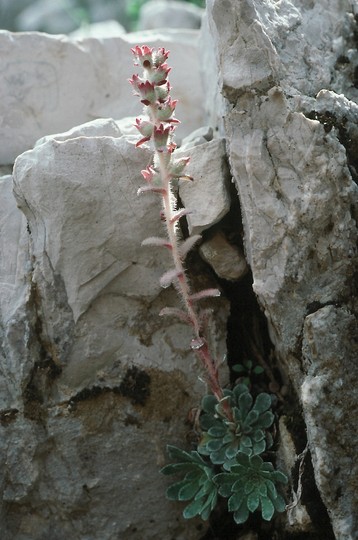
{"x": 269, "y": 46}
{"x": 207, "y": 196}
{"x": 294, "y": 174}
{"x": 92, "y": 390}
{"x": 330, "y": 402}
{"x": 51, "y": 84}
{"x": 199, "y": 136}
{"x": 227, "y": 261}
{"x": 163, "y": 14}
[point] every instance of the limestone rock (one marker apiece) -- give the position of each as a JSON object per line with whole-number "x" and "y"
{"x": 330, "y": 400}
{"x": 261, "y": 45}
{"x": 199, "y": 136}
{"x": 101, "y": 127}
{"x": 72, "y": 82}
{"x": 163, "y": 14}
{"x": 14, "y": 292}
{"x": 207, "y": 196}
{"x": 291, "y": 141}
{"x": 99, "y": 391}
{"x": 226, "y": 260}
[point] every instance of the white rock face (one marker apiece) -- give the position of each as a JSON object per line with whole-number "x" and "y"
{"x": 52, "y": 83}
{"x": 92, "y": 388}
{"x": 293, "y": 159}
{"x": 162, "y": 14}
{"x": 207, "y": 196}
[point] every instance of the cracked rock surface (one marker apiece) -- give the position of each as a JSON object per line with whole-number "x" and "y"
{"x": 92, "y": 379}
{"x": 289, "y": 105}
{"x": 93, "y": 384}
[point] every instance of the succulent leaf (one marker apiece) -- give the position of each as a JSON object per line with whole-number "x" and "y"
{"x": 245, "y": 432}
{"x": 250, "y": 486}
{"x": 196, "y": 486}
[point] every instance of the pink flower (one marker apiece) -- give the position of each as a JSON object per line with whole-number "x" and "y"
{"x": 166, "y": 109}
{"x": 162, "y": 91}
{"x": 161, "y": 135}
{"x": 135, "y": 81}
{"x": 159, "y": 74}
{"x": 144, "y": 89}
{"x": 144, "y": 55}
{"x": 160, "y": 56}
{"x": 145, "y": 127}
{"x": 177, "y": 166}
{"x": 152, "y": 176}
{"x": 148, "y": 173}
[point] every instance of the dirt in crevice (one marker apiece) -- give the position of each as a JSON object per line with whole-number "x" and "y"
{"x": 45, "y": 369}
{"x": 135, "y": 386}
{"x": 248, "y": 338}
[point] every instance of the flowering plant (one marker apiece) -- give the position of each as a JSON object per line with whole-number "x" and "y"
{"x": 233, "y": 425}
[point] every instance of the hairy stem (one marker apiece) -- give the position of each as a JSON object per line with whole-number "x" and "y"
{"x": 201, "y": 348}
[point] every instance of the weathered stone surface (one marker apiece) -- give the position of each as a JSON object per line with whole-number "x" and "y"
{"x": 104, "y": 377}
{"x": 226, "y": 260}
{"x": 162, "y": 14}
{"x": 330, "y": 402}
{"x": 260, "y": 45}
{"x": 14, "y": 290}
{"x": 13, "y": 249}
{"x": 199, "y": 136}
{"x": 293, "y": 159}
{"x": 296, "y": 194}
{"x": 207, "y": 197}
{"x": 51, "y": 84}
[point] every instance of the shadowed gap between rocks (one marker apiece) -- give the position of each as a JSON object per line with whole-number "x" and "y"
{"x": 248, "y": 339}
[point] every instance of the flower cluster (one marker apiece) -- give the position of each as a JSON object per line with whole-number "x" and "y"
{"x": 157, "y": 125}
{"x": 153, "y": 88}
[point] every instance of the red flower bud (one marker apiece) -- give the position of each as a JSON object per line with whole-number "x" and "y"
{"x": 161, "y": 136}
{"x": 160, "y": 56}
{"x": 144, "y": 55}
{"x": 165, "y": 110}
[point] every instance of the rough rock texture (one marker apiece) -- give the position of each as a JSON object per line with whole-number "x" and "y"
{"x": 225, "y": 259}
{"x": 93, "y": 384}
{"x": 50, "y": 84}
{"x": 330, "y": 352}
{"x": 207, "y": 196}
{"x": 292, "y": 157}
{"x": 91, "y": 378}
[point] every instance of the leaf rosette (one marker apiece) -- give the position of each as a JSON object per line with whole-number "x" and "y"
{"x": 250, "y": 485}
{"x": 197, "y": 484}
{"x": 223, "y": 438}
